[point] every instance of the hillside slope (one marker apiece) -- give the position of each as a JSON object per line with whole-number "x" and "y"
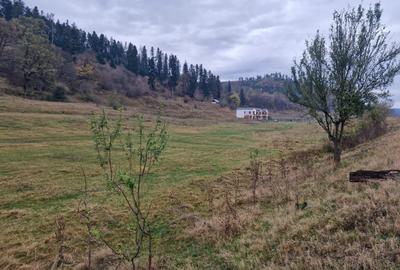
{"x": 49, "y": 60}
{"x": 308, "y": 215}
{"x": 175, "y": 109}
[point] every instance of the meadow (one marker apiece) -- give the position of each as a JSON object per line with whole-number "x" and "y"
{"x": 45, "y": 146}
{"x": 43, "y": 152}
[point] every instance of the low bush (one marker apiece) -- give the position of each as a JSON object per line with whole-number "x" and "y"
{"x": 372, "y": 125}
{"x": 59, "y": 93}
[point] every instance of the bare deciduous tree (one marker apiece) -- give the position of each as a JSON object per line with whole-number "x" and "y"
{"x": 85, "y": 212}
{"x": 60, "y": 260}
{"x": 342, "y": 80}
{"x": 255, "y": 171}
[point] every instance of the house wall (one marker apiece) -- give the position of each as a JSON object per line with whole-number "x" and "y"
{"x": 240, "y": 113}
{"x": 252, "y": 114}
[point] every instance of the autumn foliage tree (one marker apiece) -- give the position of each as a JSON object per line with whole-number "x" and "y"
{"x": 7, "y": 35}
{"x": 340, "y": 80}
{"x": 36, "y": 59}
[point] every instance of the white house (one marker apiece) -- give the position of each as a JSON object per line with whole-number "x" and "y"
{"x": 252, "y": 113}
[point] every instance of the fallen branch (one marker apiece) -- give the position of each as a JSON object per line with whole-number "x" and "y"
{"x": 364, "y": 176}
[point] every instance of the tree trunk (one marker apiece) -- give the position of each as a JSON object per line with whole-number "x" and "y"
{"x": 364, "y": 176}
{"x": 150, "y": 249}
{"x": 25, "y": 90}
{"x": 26, "y": 84}
{"x": 337, "y": 151}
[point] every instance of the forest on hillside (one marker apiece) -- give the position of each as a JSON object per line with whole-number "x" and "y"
{"x": 43, "y": 58}
{"x": 267, "y": 91}
{"x": 50, "y": 59}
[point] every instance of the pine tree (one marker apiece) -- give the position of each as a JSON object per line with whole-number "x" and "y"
{"x": 152, "y": 70}
{"x": 218, "y": 90}
{"x": 113, "y": 54}
{"x": 174, "y": 72}
{"x": 132, "y": 59}
{"x": 6, "y": 9}
{"x": 18, "y": 9}
{"x": 185, "y": 78}
{"x": 212, "y": 84}
{"x": 203, "y": 82}
{"x": 144, "y": 62}
{"x": 197, "y": 69}
{"x": 229, "y": 88}
{"x": 102, "y": 46}
{"x": 116, "y": 53}
{"x": 35, "y": 12}
{"x": 242, "y": 96}
{"x": 192, "y": 81}
{"x": 120, "y": 53}
{"x": 73, "y": 42}
{"x": 165, "y": 69}
{"x": 93, "y": 39}
{"x": 27, "y": 12}
{"x": 199, "y": 73}
{"x": 159, "y": 64}
{"x": 185, "y": 69}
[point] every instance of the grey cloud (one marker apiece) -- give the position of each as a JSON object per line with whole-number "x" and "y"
{"x": 236, "y": 38}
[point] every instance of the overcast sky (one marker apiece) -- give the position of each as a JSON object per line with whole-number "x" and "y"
{"x": 236, "y": 38}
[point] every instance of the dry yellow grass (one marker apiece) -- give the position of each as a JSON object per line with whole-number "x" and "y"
{"x": 344, "y": 226}
{"x": 201, "y": 223}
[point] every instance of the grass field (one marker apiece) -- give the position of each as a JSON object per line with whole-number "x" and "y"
{"x": 42, "y": 151}
{"x": 44, "y": 145}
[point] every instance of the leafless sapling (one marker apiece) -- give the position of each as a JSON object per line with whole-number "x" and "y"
{"x": 255, "y": 171}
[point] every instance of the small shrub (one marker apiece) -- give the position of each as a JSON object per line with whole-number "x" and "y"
{"x": 133, "y": 93}
{"x": 59, "y": 93}
{"x": 230, "y": 222}
{"x": 234, "y": 101}
{"x": 87, "y": 96}
{"x": 114, "y": 101}
{"x": 372, "y": 125}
